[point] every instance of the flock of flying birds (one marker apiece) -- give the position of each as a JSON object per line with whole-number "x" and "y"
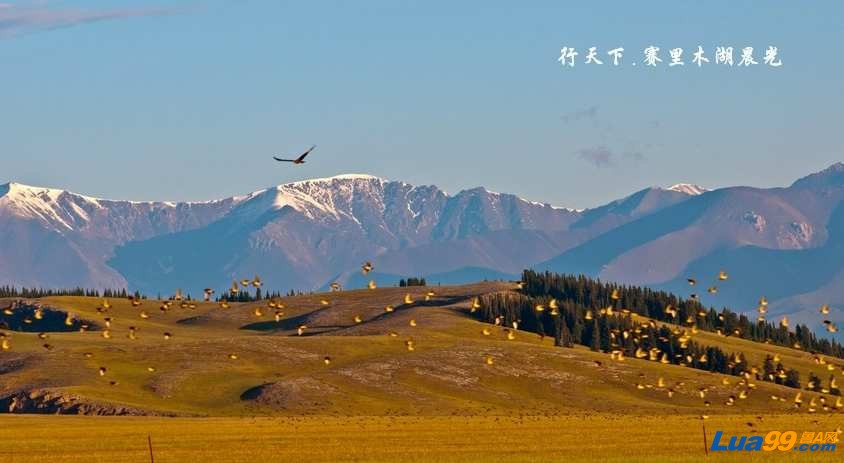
{"x": 762, "y": 309}
{"x": 745, "y": 383}
{"x": 742, "y": 388}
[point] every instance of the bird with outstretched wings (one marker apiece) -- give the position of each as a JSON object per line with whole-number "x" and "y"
{"x": 299, "y": 160}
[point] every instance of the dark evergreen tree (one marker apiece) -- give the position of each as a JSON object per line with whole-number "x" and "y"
{"x": 814, "y": 383}
{"x": 792, "y": 379}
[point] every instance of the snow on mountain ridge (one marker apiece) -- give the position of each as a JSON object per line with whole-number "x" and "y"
{"x": 688, "y": 188}
{"x": 66, "y": 212}
{"x": 304, "y": 195}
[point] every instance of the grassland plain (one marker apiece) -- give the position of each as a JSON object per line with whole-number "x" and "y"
{"x": 241, "y": 386}
{"x": 579, "y": 437}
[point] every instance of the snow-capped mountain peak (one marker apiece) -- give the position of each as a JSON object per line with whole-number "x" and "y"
{"x": 50, "y": 205}
{"x": 688, "y": 188}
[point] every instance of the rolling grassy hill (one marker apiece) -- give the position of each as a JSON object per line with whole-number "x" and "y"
{"x": 232, "y": 362}
{"x": 236, "y": 385}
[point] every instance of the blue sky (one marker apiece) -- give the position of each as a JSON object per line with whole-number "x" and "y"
{"x": 189, "y": 100}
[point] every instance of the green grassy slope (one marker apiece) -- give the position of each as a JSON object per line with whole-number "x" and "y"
{"x": 371, "y": 372}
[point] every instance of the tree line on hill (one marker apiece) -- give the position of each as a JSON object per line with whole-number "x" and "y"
{"x": 582, "y": 317}
{"x": 33, "y": 293}
{"x": 595, "y": 295}
{"x": 604, "y": 333}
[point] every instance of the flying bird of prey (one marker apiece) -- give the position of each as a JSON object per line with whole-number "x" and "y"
{"x": 299, "y": 160}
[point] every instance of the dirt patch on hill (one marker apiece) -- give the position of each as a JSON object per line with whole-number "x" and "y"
{"x": 307, "y": 393}
{"x": 46, "y": 401}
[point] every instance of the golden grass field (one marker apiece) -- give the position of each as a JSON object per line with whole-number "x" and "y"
{"x": 375, "y": 401}
{"x": 574, "y": 438}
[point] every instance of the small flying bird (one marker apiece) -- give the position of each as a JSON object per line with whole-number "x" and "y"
{"x": 299, "y": 160}
{"x": 358, "y": 319}
{"x": 366, "y": 267}
{"x": 167, "y": 335}
{"x": 335, "y": 286}
{"x": 691, "y": 281}
{"x": 372, "y": 284}
{"x": 476, "y": 304}
{"x": 408, "y": 299}
{"x": 722, "y": 275}
{"x": 412, "y": 322}
{"x": 825, "y": 309}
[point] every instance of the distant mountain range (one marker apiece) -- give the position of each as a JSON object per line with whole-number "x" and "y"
{"x": 784, "y": 243}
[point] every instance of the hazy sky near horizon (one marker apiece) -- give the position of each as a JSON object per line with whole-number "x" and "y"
{"x": 188, "y": 100}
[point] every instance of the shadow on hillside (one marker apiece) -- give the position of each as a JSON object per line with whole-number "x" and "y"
{"x": 294, "y": 323}
{"x": 285, "y": 324}
{"x": 24, "y": 318}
